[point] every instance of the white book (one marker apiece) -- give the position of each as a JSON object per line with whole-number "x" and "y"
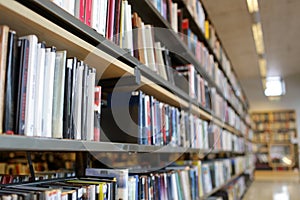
{"x": 58, "y": 94}
{"x": 77, "y": 9}
{"x": 149, "y": 48}
{"x": 78, "y": 102}
{"x": 58, "y": 2}
{"x": 31, "y": 87}
{"x": 38, "y": 120}
{"x": 174, "y": 187}
{"x": 122, "y": 23}
{"x": 129, "y": 35}
{"x": 96, "y": 15}
{"x": 161, "y": 68}
{"x": 48, "y": 91}
{"x": 143, "y": 45}
{"x": 90, "y": 103}
{"x": 69, "y": 6}
{"x": 186, "y": 189}
{"x": 103, "y": 17}
{"x": 174, "y": 21}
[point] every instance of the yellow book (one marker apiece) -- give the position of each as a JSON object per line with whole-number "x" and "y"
{"x": 206, "y": 34}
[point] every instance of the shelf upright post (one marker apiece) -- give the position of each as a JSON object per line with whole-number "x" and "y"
{"x": 31, "y": 169}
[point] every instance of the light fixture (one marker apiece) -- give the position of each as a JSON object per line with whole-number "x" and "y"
{"x": 258, "y": 38}
{"x": 262, "y": 67}
{"x": 287, "y": 160}
{"x": 274, "y": 86}
{"x": 252, "y": 6}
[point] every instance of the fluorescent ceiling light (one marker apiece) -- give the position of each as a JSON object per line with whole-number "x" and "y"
{"x": 258, "y": 38}
{"x": 274, "y": 86}
{"x": 252, "y": 6}
{"x": 262, "y": 67}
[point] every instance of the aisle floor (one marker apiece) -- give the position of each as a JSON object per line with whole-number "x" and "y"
{"x": 273, "y": 190}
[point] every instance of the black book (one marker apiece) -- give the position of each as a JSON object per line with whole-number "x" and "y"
{"x": 11, "y": 91}
{"x": 168, "y": 64}
{"x": 121, "y": 119}
{"x": 69, "y": 98}
{"x": 23, "y": 51}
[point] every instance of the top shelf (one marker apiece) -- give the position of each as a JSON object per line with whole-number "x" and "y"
{"x": 172, "y": 40}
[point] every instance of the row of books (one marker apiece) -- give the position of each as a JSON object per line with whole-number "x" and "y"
{"x": 220, "y": 139}
{"x": 45, "y": 93}
{"x": 126, "y": 29}
{"x": 182, "y": 180}
{"x": 139, "y": 39}
{"x": 274, "y": 116}
{"x": 73, "y": 188}
{"x": 197, "y": 11}
{"x": 22, "y": 178}
{"x": 150, "y": 122}
{"x": 287, "y": 125}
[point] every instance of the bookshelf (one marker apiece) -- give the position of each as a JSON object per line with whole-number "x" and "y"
{"x": 53, "y": 25}
{"x": 274, "y": 132}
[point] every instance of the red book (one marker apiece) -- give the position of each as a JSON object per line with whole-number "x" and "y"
{"x": 88, "y": 12}
{"x": 110, "y": 19}
{"x": 82, "y": 10}
{"x": 185, "y": 28}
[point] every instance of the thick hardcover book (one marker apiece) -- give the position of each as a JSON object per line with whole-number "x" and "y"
{"x": 23, "y": 49}
{"x": 31, "y": 84}
{"x": 12, "y": 77}
{"x": 48, "y": 91}
{"x": 120, "y": 120}
{"x": 4, "y": 32}
{"x": 58, "y": 94}
{"x": 38, "y": 121}
{"x": 149, "y": 45}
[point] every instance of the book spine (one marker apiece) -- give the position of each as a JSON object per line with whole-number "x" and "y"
{"x": 97, "y": 112}
{"x": 82, "y": 4}
{"x": 116, "y": 29}
{"x": 39, "y": 89}
{"x": 31, "y": 85}
{"x": 90, "y": 103}
{"x": 58, "y": 94}
{"x": 23, "y": 49}
{"x": 95, "y": 23}
{"x": 67, "y": 99}
{"x": 84, "y": 103}
{"x": 11, "y": 87}
{"x": 48, "y": 91}
{"x": 4, "y": 32}
{"x": 88, "y": 12}
{"x": 78, "y": 105}
{"x": 103, "y": 17}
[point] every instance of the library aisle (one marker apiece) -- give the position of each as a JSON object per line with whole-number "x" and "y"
{"x": 272, "y": 185}
{"x": 273, "y": 190}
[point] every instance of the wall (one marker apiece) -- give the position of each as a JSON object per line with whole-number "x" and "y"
{"x": 258, "y": 102}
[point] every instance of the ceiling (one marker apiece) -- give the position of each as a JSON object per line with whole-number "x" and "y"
{"x": 281, "y": 31}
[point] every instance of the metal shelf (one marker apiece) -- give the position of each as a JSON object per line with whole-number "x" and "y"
{"x": 24, "y": 143}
